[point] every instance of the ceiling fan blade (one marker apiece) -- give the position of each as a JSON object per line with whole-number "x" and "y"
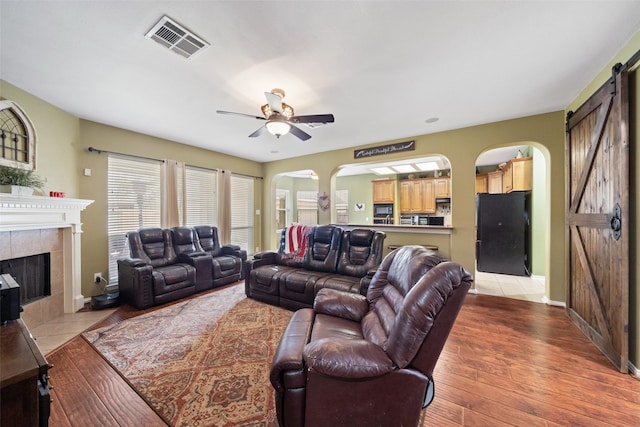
{"x": 316, "y": 118}
{"x": 258, "y": 132}
{"x": 275, "y": 102}
{"x": 240, "y": 114}
{"x": 296, "y": 131}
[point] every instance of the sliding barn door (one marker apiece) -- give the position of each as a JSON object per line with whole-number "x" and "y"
{"x": 597, "y": 220}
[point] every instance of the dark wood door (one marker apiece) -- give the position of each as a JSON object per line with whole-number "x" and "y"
{"x": 597, "y": 220}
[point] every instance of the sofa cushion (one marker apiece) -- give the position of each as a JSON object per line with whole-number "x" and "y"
{"x": 360, "y": 251}
{"x": 208, "y": 239}
{"x": 323, "y": 245}
{"x": 153, "y": 246}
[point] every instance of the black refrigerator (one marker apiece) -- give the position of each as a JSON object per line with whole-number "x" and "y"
{"x": 503, "y": 241}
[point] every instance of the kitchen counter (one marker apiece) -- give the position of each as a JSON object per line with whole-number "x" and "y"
{"x": 421, "y": 229}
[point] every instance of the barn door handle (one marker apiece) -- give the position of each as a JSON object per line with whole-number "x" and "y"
{"x": 616, "y": 221}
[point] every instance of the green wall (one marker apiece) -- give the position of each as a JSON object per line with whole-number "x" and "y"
{"x": 103, "y": 137}
{"x": 57, "y": 138}
{"x": 461, "y": 147}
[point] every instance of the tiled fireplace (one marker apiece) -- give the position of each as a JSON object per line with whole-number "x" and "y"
{"x": 31, "y": 225}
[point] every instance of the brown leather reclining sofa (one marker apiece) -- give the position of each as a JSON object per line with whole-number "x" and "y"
{"x": 333, "y": 258}
{"x": 168, "y": 264}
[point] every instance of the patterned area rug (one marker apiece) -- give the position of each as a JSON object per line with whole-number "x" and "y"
{"x": 201, "y": 362}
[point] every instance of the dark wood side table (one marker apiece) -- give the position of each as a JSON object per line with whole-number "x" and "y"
{"x": 24, "y": 390}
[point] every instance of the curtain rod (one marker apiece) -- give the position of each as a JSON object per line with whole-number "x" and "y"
{"x": 97, "y": 150}
{"x": 242, "y": 174}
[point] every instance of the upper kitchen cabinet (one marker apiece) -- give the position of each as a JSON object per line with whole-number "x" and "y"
{"x": 518, "y": 175}
{"x": 442, "y": 187}
{"x": 384, "y": 190}
{"x": 482, "y": 183}
{"x": 417, "y": 196}
{"x": 513, "y": 175}
{"x": 495, "y": 182}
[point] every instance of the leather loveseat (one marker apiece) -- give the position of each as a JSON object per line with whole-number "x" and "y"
{"x": 367, "y": 361}
{"x": 333, "y": 258}
{"x": 169, "y": 264}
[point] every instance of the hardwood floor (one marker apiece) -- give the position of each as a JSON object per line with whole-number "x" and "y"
{"x": 507, "y": 362}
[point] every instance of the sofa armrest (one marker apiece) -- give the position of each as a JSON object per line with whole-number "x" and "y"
{"x": 266, "y": 255}
{"x": 231, "y": 250}
{"x": 347, "y": 359}
{"x": 131, "y": 262}
{"x": 135, "y": 282}
{"x": 347, "y": 305}
{"x": 287, "y": 364}
{"x": 201, "y": 261}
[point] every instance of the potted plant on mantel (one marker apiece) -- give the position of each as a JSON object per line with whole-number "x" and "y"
{"x": 19, "y": 181}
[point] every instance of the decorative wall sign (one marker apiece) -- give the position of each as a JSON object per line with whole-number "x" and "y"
{"x": 384, "y": 149}
{"x": 324, "y": 202}
{"x": 358, "y": 207}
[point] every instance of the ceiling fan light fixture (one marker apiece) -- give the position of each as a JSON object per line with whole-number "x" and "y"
{"x": 287, "y": 110}
{"x": 278, "y": 127}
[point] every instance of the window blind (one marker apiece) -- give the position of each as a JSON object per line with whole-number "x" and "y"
{"x": 133, "y": 188}
{"x": 242, "y": 212}
{"x": 307, "y": 206}
{"x": 201, "y": 196}
{"x": 342, "y": 206}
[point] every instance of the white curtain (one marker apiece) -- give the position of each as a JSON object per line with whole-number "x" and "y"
{"x": 172, "y": 193}
{"x": 224, "y": 207}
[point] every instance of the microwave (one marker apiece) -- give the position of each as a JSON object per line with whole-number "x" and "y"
{"x": 382, "y": 210}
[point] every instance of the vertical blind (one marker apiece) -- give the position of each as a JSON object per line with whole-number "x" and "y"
{"x": 242, "y": 212}
{"x": 133, "y": 189}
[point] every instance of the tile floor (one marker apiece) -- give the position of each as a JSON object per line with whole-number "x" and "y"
{"x": 53, "y": 334}
{"x": 504, "y": 285}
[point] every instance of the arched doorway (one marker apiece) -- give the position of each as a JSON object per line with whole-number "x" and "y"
{"x": 512, "y": 213}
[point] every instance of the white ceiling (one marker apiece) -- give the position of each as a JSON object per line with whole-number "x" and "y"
{"x": 381, "y": 67}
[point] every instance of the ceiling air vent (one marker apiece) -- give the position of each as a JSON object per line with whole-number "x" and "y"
{"x": 175, "y": 37}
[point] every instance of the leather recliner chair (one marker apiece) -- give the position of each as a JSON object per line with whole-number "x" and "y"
{"x": 226, "y": 260}
{"x": 362, "y": 361}
{"x": 153, "y": 274}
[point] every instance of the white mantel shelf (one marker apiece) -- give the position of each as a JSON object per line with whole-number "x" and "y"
{"x": 20, "y": 213}
{"x": 35, "y": 212}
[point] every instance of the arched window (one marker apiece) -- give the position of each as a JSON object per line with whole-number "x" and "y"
{"x": 17, "y": 137}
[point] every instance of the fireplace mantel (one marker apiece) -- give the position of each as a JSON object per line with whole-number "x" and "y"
{"x": 19, "y": 213}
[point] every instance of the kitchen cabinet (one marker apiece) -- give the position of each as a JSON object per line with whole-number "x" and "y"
{"x": 482, "y": 183}
{"x": 518, "y": 175}
{"x": 442, "y": 187}
{"x": 410, "y": 196}
{"x": 384, "y": 191}
{"x": 417, "y": 196}
{"x": 494, "y": 182}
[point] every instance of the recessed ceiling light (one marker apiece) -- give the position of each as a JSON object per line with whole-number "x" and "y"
{"x": 383, "y": 171}
{"x": 427, "y": 166}
{"x": 431, "y": 120}
{"x": 403, "y": 168}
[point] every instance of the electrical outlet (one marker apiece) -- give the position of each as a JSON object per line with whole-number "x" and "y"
{"x": 97, "y": 277}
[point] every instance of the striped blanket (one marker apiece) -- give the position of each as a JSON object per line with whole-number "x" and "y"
{"x": 294, "y": 241}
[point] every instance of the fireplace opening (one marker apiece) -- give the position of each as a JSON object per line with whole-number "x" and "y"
{"x": 32, "y": 273}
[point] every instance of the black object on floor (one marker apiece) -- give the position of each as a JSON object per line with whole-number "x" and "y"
{"x": 108, "y": 300}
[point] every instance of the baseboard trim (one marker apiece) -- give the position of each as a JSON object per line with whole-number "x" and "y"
{"x": 633, "y": 371}
{"x": 547, "y": 301}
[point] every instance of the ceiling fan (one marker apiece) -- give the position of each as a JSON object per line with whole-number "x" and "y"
{"x": 280, "y": 117}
